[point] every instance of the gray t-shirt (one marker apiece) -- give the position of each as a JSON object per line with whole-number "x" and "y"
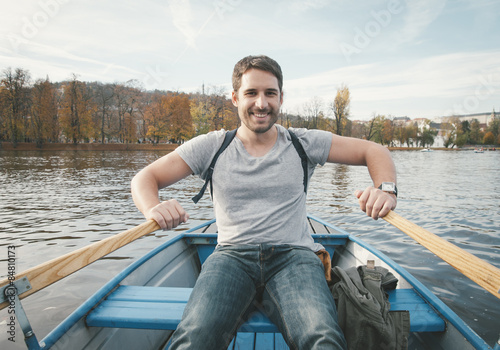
{"x": 259, "y": 200}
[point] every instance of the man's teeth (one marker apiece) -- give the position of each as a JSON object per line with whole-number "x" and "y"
{"x": 260, "y": 115}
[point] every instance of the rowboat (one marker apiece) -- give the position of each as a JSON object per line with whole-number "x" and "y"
{"x": 140, "y": 307}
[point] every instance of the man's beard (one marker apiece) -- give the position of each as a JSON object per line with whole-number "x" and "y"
{"x": 249, "y": 116}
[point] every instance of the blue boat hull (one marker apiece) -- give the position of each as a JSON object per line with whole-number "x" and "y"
{"x": 107, "y": 320}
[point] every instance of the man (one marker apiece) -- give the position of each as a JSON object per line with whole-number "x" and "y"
{"x": 265, "y": 252}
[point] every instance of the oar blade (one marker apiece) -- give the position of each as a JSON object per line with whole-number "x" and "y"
{"x": 478, "y": 270}
{"x": 54, "y": 270}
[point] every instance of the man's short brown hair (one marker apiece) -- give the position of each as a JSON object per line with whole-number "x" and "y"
{"x": 258, "y": 62}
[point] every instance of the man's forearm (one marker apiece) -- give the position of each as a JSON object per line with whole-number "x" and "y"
{"x": 144, "y": 191}
{"x": 380, "y": 165}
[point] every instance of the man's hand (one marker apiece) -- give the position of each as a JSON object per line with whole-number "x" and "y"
{"x": 376, "y": 203}
{"x": 168, "y": 214}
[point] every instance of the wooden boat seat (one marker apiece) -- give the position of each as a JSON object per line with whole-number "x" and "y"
{"x": 142, "y": 307}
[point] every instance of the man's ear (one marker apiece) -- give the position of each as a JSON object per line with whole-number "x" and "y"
{"x": 234, "y": 98}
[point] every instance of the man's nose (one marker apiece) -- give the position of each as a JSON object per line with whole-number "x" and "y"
{"x": 261, "y": 101}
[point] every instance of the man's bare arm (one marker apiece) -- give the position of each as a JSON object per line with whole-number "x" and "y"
{"x": 378, "y": 160}
{"x": 146, "y": 184}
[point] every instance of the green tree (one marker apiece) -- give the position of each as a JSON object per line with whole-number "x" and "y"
{"x": 494, "y": 128}
{"x": 426, "y": 137}
{"x": 476, "y": 135}
{"x": 461, "y": 140}
{"x": 400, "y": 134}
{"x": 465, "y": 131}
{"x": 449, "y": 134}
{"x": 376, "y": 132}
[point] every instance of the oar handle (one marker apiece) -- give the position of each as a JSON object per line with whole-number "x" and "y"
{"x": 478, "y": 270}
{"x": 51, "y": 271}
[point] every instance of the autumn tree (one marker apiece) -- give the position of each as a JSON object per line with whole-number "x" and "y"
{"x": 143, "y": 104}
{"x": 201, "y": 114}
{"x": 3, "y": 107}
{"x": 128, "y": 102}
{"x": 359, "y": 130}
{"x": 387, "y": 133}
{"x": 312, "y": 110}
{"x": 489, "y": 138}
{"x": 340, "y": 107}
{"x": 291, "y": 120}
{"x": 216, "y": 99}
{"x": 400, "y": 134}
{"x": 178, "y": 113}
{"x": 230, "y": 115}
{"x": 44, "y": 113}
{"x": 103, "y": 96}
{"x": 15, "y": 101}
{"x": 76, "y": 111}
{"x": 156, "y": 119}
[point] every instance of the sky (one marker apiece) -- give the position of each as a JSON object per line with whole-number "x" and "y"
{"x": 415, "y": 58}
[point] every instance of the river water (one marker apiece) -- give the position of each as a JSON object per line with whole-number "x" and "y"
{"x": 53, "y": 203}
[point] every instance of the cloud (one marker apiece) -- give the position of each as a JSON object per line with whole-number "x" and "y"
{"x": 439, "y": 78}
{"x": 182, "y": 19}
{"x": 304, "y": 5}
{"x": 59, "y": 63}
{"x": 419, "y": 15}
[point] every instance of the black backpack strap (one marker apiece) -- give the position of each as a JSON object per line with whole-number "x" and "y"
{"x": 227, "y": 140}
{"x": 302, "y": 155}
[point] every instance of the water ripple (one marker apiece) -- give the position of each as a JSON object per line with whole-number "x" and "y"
{"x": 55, "y": 202}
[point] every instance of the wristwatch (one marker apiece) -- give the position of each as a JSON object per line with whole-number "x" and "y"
{"x": 389, "y": 187}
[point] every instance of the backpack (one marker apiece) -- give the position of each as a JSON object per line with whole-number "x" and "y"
{"x": 227, "y": 140}
{"x": 363, "y": 309}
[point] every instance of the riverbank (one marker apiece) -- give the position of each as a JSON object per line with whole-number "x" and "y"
{"x": 167, "y": 147}
{"x": 26, "y": 146}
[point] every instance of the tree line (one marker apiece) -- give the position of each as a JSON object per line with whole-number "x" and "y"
{"x": 75, "y": 111}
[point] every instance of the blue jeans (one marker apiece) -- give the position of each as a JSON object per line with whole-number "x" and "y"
{"x": 287, "y": 282}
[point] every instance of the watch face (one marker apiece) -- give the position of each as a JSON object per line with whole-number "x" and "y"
{"x": 388, "y": 187}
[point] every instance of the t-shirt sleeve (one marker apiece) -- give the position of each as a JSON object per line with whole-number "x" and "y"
{"x": 316, "y": 144}
{"x": 199, "y": 151}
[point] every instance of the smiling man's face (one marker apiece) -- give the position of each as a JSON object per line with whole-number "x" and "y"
{"x": 258, "y": 100}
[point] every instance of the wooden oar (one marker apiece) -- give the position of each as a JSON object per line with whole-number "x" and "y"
{"x": 51, "y": 271}
{"x": 479, "y": 271}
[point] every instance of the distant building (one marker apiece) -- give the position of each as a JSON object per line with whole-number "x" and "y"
{"x": 484, "y": 119}
{"x": 401, "y": 120}
{"x": 360, "y": 122}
